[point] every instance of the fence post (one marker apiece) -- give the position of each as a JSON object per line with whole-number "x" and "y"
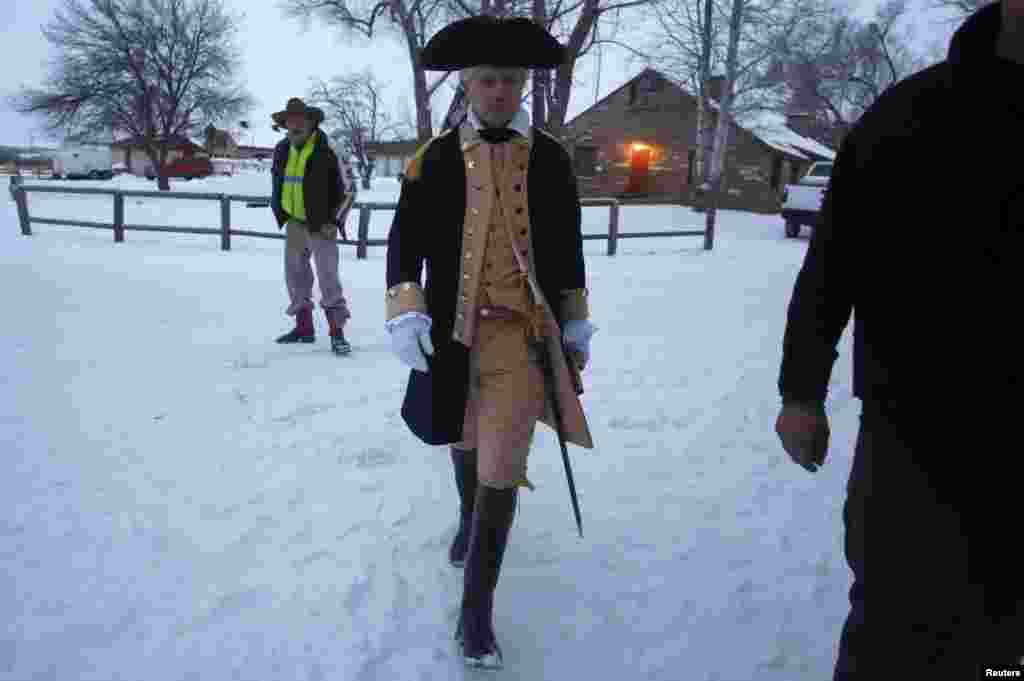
{"x": 364, "y": 231}
{"x": 613, "y": 227}
{"x": 118, "y": 217}
{"x": 225, "y": 223}
{"x": 21, "y": 199}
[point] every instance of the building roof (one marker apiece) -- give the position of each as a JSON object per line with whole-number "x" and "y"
{"x": 174, "y": 141}
{"x": 769, "y": 128}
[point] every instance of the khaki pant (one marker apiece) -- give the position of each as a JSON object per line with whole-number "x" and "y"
{"x": 506, "y": 399}
{"x": 300, "y": 245}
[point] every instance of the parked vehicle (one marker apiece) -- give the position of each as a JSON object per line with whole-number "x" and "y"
{"x": 94, "y": 163}
{"x": 801, "y": 202}
{"x": 186, "y": 168}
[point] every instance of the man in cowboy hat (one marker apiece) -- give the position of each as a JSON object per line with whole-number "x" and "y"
{"x": 311, "y": 198}
{"x": 491, "y": 208}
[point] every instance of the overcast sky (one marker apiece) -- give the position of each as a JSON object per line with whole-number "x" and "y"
{"x": 280, "y": 58}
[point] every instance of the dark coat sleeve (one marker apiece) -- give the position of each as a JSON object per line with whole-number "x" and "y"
{"x": 406, "y": 252}
{"x": 556, "y": 219}
{"x": 575, "y": 274}
{"x": 822, "y": 298}
{"x": 335, "y": 185}
{"x": 277, "y": 182}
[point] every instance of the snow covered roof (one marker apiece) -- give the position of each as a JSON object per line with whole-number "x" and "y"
{"x": 771, "y": 129}
{"x": 768, "y": 127}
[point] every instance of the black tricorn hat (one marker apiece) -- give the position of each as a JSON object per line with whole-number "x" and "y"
{"x": 489, "y": 41}
{"x": 296, "y": 105}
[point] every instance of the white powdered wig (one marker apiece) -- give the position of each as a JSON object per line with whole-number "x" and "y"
{"x": 468, "y": 74}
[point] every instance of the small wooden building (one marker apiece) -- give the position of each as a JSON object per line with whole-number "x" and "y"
{"x": 638, "y": 143}
{"x": 131, "y": 152}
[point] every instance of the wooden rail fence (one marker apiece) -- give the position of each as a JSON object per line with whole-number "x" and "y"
{"x": 20, "y": 191}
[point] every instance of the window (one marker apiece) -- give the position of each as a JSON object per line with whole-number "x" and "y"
{"x": 691, "y": 162}
{"x": 585, "y": 161}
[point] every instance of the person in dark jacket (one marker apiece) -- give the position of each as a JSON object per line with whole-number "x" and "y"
{"x": 921, "y": 238}
{"x": 491, "y": 209}
{"x": 311, "y": 198}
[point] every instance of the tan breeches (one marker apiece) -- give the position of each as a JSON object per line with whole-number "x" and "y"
{"x": 506, "y": 399}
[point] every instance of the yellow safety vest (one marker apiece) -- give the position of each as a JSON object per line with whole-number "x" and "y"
{"x": 292, "y": 200}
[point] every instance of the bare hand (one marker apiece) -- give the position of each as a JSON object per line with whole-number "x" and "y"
{"x": 804, "y": 432}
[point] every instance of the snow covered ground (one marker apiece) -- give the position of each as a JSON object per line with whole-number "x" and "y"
{"x": 185, "y": 499}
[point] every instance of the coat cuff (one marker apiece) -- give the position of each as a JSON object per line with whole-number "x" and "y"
{"x": 574, "y": 305}
{"x": 405, "y": 297}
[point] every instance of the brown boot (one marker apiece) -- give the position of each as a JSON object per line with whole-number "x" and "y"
{"x": 339, "y": 345}
{"x": 303, "y": 331}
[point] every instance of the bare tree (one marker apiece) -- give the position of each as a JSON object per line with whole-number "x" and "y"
{"x": 724, "y": 123}
{"x": 693, "y": 44}
{"x": 156, "y": 70}
{"x": 356, "y": 102}
{"x": 410, "y": 21}
{"x": 845, "y": 65}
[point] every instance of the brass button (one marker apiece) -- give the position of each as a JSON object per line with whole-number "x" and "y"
{"x": 474, "y": 211}
{"x": 469, "y": 254}
{"x": 461, "y": 316}
{"x": 466, "y": 277}
{"x": 485, "y": 312}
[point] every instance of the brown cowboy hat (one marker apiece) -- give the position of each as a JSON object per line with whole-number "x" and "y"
{"x": 297, "y": 106}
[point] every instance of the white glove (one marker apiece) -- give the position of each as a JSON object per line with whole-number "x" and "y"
{"x": 410, "y": 339}
{"x": 576, "y": 334}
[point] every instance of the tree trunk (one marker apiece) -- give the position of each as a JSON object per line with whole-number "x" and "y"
{"x": 424, "y": 119}
{"x": 564, "y": 73}
{"x": 540, "y": 76}
{"x": 721, "y": 142}
{"x": 158, "y": 158}
{"x": 702, "y": 134}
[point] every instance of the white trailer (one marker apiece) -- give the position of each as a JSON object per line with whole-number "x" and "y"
{"x": 94, "y": 163}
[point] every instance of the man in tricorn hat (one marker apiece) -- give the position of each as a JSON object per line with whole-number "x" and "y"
{"x": 491, "y": 208}
{"x": 311, "y": 197}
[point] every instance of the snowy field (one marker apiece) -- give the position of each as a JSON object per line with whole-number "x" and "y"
{"x": 184, "y": 499}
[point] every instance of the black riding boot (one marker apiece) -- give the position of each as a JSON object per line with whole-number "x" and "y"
{"x": 464, "y": 462}
{"x": 493, "y": 513}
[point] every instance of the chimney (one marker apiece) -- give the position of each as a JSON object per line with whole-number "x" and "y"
{"x": 716, "y": 84}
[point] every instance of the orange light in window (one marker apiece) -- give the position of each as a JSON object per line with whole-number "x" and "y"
{"x": 638, "y": 146}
